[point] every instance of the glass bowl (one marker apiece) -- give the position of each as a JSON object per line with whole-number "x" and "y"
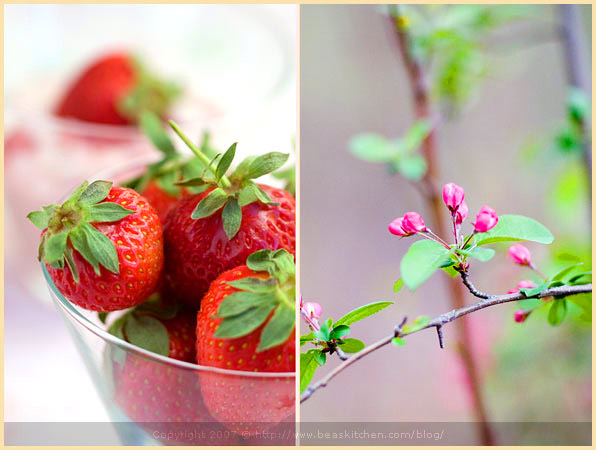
{"x": 156, "y": 400}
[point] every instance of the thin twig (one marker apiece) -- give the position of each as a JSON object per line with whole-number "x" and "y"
{"x": 475, "y": 292}
{"x": 438, "y": 322}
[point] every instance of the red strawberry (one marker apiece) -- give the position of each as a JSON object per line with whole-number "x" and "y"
{"x": 218, "y": 229}
{"x": 247, "y": 322}
{"x": 162, "y": 398}
{"x": 103, "y": 247}
{"x": 114, "y": 90}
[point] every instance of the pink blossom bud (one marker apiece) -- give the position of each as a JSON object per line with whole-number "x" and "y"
{"x": 485, "y": 220}
{"x": 520, "y": 255}
{"x": 513, "y": 291}
{"x": 453, "y": 196}
{"x": 461, "y": 213}
{"x": 413, "y": 223}
{"x": 521, "y": 315}
{"x": 311, "y": 312}
{"x": 396, "y": 227}
{"x": 526, "y": 284}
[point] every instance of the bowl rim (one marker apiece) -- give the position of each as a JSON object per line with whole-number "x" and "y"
{"x": 82, "y": 320}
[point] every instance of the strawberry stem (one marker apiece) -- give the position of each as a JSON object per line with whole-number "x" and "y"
{"x": 198, "y": 153}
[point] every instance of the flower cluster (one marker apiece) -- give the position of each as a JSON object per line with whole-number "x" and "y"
{"x": 412, "y": 223}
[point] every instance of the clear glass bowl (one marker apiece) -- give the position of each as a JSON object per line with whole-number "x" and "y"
{"x": 156, "y": 400}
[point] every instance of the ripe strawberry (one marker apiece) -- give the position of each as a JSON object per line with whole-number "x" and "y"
{"x": 247, "y": 322}
{"x": 163, "y": 399}
{"x": 114, "y": 90}
{"x": 218, "y": 229}
{"x": 103, "y": 247}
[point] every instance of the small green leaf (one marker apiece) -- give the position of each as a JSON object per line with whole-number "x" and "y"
{"x": 306, "y": 338}
{"x": 267, "y": 163}
{"x": 361, "y": 312}
{"x": 39, "y": 218}
{"x": 54, "y": 247}
{"x": 530, "y": 292}
{"x": 253, "y": 284}
{"x": 152, "y": 126}
{"x": 242, "y": 324}
{"x": 419, "y": 323}
{"x": 584, "y": 302}
{"x": 260, "y": 261}
{"x": 481, "y": 254}
{"x": 566, "y": 271}
{"x": 308, "y": 367}
{"x": 415, "y": 135}
{"x": 373, "y": 148}
{"x": 320, "y": 358}
{"x": 580, "y": 277}
{"x": 76, "y": 194}
{"x": 413, "y": 167}
{"x": 351, "y": 345}
{"x": 240, "y": 302}
{"x": 106, "y": 212}
{"x": 279, "y": 328}
{"x": 398, "y": 285}
{"x": 102, "y": 316}
{"x": 557, "y": 312}
{"x": 147, "y": 332}
{"x": 225, "y": 162}
{"x": 516, "y": 228}
{"x": 198, "y": 181}
{"x": 231, "y": 217}
{"x": 215, "y": 200}
{"x": 323, "y": 334}
{"x": 421, "y": 260}
{"x": 339, "y": 331}
{"x": 450, "y": 270}
{"x": 102, "y": 248}
{"x": 251, "y": 192}
{"x": 398, "y": 341}
{"x": 117, "y": 328}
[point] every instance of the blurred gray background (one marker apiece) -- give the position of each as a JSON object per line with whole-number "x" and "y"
{"x": 352, "y": 80}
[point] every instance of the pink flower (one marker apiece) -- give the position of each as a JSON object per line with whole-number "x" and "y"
{"x": 461, "y": 213}
{"x": 413, "y": 223}
{"x": 311, "y": 312}
{"x": 486, "y": 219}
{"x": 523, "y": 284}
{"x": 396, "y": 227}
{"x": 453, "y": 196}
{"x": 520, "y": 255}
{"x": 521, "y": 315}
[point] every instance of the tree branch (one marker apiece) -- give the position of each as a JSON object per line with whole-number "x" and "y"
{"x": 438, "y": 322}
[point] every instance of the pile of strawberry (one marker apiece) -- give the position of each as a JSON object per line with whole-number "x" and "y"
{"x": 203, "y": 263}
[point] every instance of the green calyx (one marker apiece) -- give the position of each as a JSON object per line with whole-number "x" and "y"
{"x": 246, "y": 310}
{"x": 142, "y": 326}
{"x": 173, "y": 166}
{"x": 231, "y": 193}
{"x": 72, "y": 221}
{"x": 150, "y": 93}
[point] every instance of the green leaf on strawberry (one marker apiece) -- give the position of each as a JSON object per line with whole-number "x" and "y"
{"x": 234, "y": 192}
{"x": 258, "y": 299}
{"x": 72, "y": 221}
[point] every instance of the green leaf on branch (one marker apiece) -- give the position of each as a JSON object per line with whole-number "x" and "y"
{"x": 567, "y": 270}
{"x": 481, "y": 254}
{"x": 351, "y": 345}
{"x": 418, "y": 324}
{"x": 516, "y": 228}
{"x": 305, "y": 339}
{"x": 531, "y": 292}
{"x": 320, "y": 358}
{"x": 361, "y": 313}
{"x": 420, "y": 262}
{"x": 584, "y": 302}
{"x": 339, "y": 331}
{"x": 308, "y": 367}
{"x": 581, "y": 278}
{"x": 398, "y": 285}
{"x": 373, "y": 148}
{"x": 557, "y": 311}
{"x": 323, "y": 334}
{"x": 398, "y": 341}
{"x": 413, "y": 167}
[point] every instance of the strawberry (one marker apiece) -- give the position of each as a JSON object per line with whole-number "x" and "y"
{"x": 247, "y": 322}
{"x": 162, "y": 398}
{"x": 114, "y": 90}
{"x": 218, "y": 229}
{"x": 103, "y": 247}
